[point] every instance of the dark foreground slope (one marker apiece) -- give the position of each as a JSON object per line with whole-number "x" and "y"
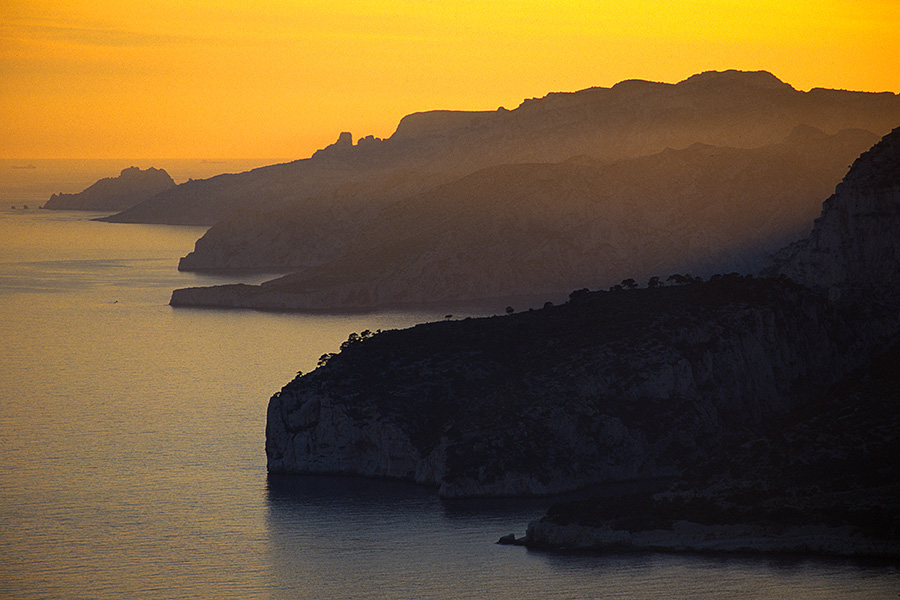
{"x": 726, "y": 386}
{"x": 131, "y": 187}
{"x": 825, "y": 478}
{"x": 610, "y": 386}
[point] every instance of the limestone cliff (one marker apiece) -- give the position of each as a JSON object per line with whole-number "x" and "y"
{"x": 610, "y": 386}
{"x": 131, "y": 187}
{"x": 771, "y": 404}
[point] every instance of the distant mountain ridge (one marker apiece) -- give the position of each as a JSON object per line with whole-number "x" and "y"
{"x": 130, "y": 188}
{"x": 532, "y": 229}
{"x": 633, "y": 118}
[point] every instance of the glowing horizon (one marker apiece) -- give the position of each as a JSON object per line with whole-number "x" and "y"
{"x": 228, "y": 79}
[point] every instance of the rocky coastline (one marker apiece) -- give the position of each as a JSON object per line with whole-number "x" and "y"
{"x": 771, "y": 404}
{"x": 552, "y": 400}
{"x": 132, "y": 186}
{"x": 826, "y": 479}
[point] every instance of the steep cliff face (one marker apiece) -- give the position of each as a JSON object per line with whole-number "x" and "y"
{"x": 131, "y": 187}
{"x": 853, "y": 246}
{"x": 610, "y": 386}
{"x": 824, "y": 478}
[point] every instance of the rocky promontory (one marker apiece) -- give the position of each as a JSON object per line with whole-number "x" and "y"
{"x": 130, "y": 188}
{"x": 768, "y": 405}
{"x": 610, "y": 386}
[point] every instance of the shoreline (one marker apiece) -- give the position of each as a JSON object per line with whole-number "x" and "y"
{"x": 242, "y": 296}
{"x": 689, "y": 537}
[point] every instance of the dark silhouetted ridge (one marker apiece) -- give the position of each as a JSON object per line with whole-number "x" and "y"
{"x": 631, "y": 119}
{"x": 130, "y": 188}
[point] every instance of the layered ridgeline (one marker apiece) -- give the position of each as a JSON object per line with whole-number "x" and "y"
{"x": 131, "y": 187}
{"x": 633, "y": 118}
{"x": 708, "y": 175}
{"x": 724, "y": 385}
{"x": 545, "y": 229}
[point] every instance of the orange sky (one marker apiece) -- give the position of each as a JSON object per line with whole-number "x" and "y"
{"x": 238, "y": 78}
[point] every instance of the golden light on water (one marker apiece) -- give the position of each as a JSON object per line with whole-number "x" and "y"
{"x": 251, "y": 79}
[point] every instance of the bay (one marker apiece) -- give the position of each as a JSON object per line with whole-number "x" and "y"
{"x": 132, "y": 458}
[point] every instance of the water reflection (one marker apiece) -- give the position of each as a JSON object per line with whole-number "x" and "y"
{"x": 392, "y": 539}
{"x": 347, "y": 537}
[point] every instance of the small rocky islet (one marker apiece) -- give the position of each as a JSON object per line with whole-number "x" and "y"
{"x": 132, "y": 186}
{"x": 708, "y": 175}
{"x": 768, "y": 404}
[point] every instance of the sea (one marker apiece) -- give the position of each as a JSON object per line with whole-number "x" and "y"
{"x": 132, "y": 461}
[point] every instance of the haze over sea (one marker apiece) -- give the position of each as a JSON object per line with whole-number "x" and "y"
{"x": 132, "y": 459}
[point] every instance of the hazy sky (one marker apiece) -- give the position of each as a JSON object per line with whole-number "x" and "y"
{"x": 244, "y": 78}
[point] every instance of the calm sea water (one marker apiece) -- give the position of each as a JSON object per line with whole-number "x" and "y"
{"x": 132, "y": 461}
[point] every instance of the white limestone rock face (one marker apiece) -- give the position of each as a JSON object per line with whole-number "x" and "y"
{"x": 316, "y": 435}
{"x": 853, "y": 244}
{"x": 609, "y": 387}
